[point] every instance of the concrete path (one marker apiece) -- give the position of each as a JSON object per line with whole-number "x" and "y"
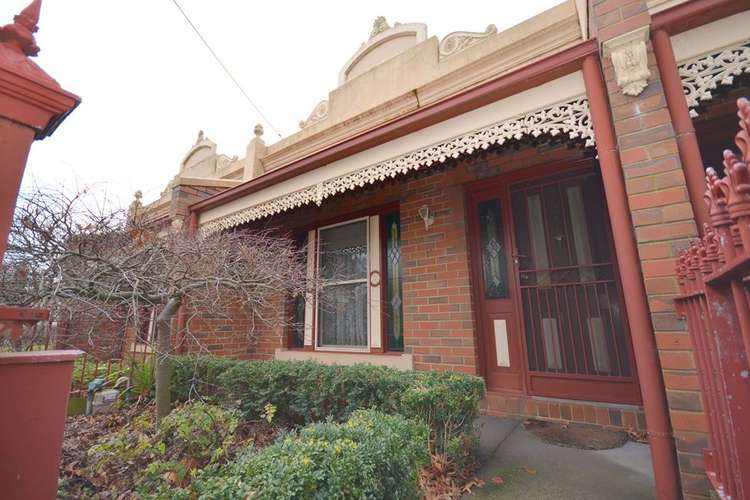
{"x": 532, "y": 469}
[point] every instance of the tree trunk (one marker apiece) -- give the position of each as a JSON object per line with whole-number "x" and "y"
{"x": 163, "y": 356}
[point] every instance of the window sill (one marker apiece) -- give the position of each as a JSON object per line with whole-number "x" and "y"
{"x": 399, "y": 361}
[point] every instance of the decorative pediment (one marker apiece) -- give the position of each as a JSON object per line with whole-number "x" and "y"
{"x": 318, "y": 113}
{"x": 385, "y": 42}
{"x": 203, "y": 149}
{"x": 702, "y": 75}
{"x": 569, "y": 118}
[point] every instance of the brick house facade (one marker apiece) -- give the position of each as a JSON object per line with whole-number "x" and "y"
{"x": 574, "y": 130}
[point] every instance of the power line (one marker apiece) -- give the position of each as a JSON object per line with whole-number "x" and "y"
{"x": 224, "y": 67}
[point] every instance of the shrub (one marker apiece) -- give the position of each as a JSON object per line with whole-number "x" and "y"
{"x": 448, "y": 403}
{"x": 307, "y": 392}
{"x": 199, "y": 376}
{"x": 372, "y": 455}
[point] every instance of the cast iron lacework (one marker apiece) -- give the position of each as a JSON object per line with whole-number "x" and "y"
{"x": 571, "y": 118}
{"x": 702, "y": 75}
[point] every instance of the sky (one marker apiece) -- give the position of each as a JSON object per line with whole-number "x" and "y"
{"x": 148, "y": 85}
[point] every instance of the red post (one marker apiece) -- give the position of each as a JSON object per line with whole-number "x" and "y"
{"x": 687, "y": 143}
{"x": 636, "y": 303}
{"x": 35, "y": 386}
{"x": 32, "y": 104}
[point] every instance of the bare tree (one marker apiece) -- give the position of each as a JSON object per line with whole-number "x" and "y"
{"x": 79, "y": 257}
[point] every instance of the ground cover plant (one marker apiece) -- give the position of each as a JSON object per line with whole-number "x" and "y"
{"x": 124, "y": 454}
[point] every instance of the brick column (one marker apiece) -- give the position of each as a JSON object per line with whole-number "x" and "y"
{"x": 663, "y": 222}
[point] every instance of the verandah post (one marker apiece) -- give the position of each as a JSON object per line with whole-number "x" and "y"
{"x": 644, "y": 344}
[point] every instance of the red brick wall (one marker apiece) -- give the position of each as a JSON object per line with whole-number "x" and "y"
{"x": 663, "y": 222}
{"x": 439, "y": 328}
{"x": 184, "y": 196}
{"x": 98, "y": 336}
{"x": 229, "y": 331}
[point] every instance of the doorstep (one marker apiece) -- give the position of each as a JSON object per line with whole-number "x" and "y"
{"x": 610, "y": 415}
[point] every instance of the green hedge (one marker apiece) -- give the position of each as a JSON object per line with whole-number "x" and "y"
{"x": 372, "y": 455}
{"x": 308, "y": 392}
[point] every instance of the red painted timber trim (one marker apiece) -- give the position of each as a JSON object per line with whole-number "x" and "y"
{"x": 695, "y": 13}
{"x": 33, "y": 357}
{"x": 687, "y": 142}
{"x": 530, "y": 76}
{"x": 666, "y": 473}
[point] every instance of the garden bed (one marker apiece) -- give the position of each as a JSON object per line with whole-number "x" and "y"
{"x": 268, "y": 429}
{"x": 107, "y": 454}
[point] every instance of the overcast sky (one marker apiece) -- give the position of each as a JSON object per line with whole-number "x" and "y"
{"x": 148, "y": 85}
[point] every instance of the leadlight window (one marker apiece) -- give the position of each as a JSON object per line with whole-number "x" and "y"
{"x": 393, "y": 281}
{"x": 493, "y": 250}
{"x": 343, "y": 296}
{"x": 299, "y": 303}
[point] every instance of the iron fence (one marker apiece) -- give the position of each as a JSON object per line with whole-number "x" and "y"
{"x": 714, "y": 277}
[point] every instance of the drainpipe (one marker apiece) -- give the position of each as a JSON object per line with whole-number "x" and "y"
{"x": 644, "y": 344}
{"x": 687, "y": 143}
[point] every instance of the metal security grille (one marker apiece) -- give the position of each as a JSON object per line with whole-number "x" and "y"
{"x": 571, "y": 300}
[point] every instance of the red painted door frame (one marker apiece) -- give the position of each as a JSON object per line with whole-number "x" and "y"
{"x": 518, "y": 378}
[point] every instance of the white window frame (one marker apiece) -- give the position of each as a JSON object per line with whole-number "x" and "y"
{"x": 366, "y": 280}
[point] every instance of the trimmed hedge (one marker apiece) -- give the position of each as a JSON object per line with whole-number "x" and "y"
{"x": 372, "y": 455}
{"x": 308, "y": 392}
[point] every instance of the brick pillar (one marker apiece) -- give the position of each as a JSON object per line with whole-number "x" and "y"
{"x": 663, "y": 223}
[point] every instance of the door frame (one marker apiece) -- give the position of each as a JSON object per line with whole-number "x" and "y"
{"x": 502, "y": 185}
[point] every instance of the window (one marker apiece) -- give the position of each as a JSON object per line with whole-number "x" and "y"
{"x": 358, "y": 303}
{"x": 343, "y": 297}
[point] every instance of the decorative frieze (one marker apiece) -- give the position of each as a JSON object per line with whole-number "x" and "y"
{"x": 570, "y": 118}
{"x": 702, "y": 75}
{"x": 460, "y": 40}
{"x": 630, "y": 60}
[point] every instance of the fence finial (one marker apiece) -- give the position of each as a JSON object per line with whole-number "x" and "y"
{"x": 742, "y": 139}
{"x": 716, "y": 199}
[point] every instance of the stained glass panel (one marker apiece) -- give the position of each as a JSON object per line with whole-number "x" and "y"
{"x": 493, "y": 250}
{"x": 394, "y": 298}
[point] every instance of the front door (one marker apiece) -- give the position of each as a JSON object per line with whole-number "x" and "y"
{"x": 561, "y": 301}
{"x": 495, "y": 291}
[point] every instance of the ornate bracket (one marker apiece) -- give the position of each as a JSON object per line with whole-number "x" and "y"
{"x": 702, "y": 75}
{"x": 630, "y": 60}
{"x": 570, "y": 118}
